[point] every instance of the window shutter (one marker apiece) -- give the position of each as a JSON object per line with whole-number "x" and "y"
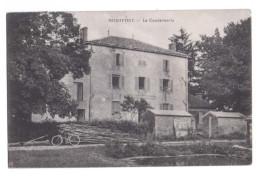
{"x": 161, "y": 85}
{"x": 161, "y": 106}
{"x": 112, "y": 106}
{"x": 148, "y": 84}
{"x": 114, "y": 61}
{"x": 168, "y": 66}
{"x": 136, "y": 83}
{"x": 171, "y": 86}
{"x": 171, "y": 106}
{"x": 122, "y": 60}
{"x": 109, "y": 81}
{"x": 122, "y": 82}
{"x": 164, "y": 65}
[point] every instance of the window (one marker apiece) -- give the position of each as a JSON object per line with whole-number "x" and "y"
{"x": 165, "y": 85}
{"x": 141, "y": 83}
{"x": 115, "y": 81}
{"x": 80, "y": 114}
{"x": 142, "y": 63}
{"x": 79, "y": 91}
{"x": 117, "y": 59}
{"x": 116, "y": 107}
{"x": 165, "y": 106}
{"x": 166, "y": 65}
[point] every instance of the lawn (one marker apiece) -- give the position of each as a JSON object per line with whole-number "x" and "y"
{"x": 78, "y": 157}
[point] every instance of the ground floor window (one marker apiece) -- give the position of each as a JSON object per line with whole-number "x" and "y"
{"x": 80, "y": 114}
{"x": 116, "y": 107}
{"x": 166, "y": 106}
{"x": 141, "y": 83}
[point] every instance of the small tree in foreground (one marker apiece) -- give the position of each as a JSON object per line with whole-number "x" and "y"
{"x": 135, "y": 107}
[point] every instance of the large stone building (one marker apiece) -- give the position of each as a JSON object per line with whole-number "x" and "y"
{"x": 124, "y": 66}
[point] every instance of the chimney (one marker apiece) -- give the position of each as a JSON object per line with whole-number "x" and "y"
{"x": 199, "y": 95}
{"x": 172, "y": 46}
{"x": 83, "y": 34}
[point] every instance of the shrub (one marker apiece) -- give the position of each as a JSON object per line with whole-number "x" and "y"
{"x": 114, "y": 149}
{"x": 152, "y": 149}
{"x": 121, "y": 125}
{"x": 22, "y": 131}
{"x": 131, "y": 150}
{"x": 236, "y": 135}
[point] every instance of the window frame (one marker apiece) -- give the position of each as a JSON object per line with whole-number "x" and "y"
{"x": 167, "y": 105}
{"x": 118, "y": 59}
{"x": 118, "y": 82}
{"x": 80, "y": 84}
{"x": 165, "y": 89}
{"x": 144, "y": 82}
{"x": 83, "y": 114}
{"x": 116, "y": 107}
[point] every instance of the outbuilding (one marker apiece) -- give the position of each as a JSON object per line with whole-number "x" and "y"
{"x": 170, "y": 123}
{"x": 219, "y": 123}
{"x": 249, "y": 129}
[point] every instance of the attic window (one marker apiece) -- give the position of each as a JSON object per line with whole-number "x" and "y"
{"x": 117, "y": 59}
{"x": 166, "y": 65}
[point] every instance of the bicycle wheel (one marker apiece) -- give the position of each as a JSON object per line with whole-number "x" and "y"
{"x": 74, "y": 139}
{"x": 57, "y": 140}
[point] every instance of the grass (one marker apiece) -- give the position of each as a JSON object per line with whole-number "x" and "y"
{"x": 117, "y": 150}
{"x": 77, "y": 157}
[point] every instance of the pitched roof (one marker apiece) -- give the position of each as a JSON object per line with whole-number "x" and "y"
{"x": 131, "y": 44}
{"x": 198, "y": 103}
{"x": 225, "y": 114}
{"x": 175, "y": 113}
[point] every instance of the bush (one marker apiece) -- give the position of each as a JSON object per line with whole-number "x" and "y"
{"x": 131, "y": 150}
{"x": 235, "y": 135}
{"x": 122, "y": 125}
{"x": 22, "y": 131}
{"x": 114, "y": 149}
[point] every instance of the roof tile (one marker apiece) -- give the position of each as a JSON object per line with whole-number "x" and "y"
{"x": 132, "y": 44}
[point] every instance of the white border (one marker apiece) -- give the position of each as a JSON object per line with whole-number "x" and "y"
{"x": 112, "y": 5}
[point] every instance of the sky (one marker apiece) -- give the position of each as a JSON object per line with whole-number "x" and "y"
{"x": 157, "y": 33}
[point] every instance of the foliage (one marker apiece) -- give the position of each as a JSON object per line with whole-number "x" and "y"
{"x": 22, "y": 131}
{"x": 114, "y": 149}
{"x": 185, "y": 45}
{"x": 135, "y": 106}
{"x": 226, "y": 64}
{"x": 42, "y": 48}
{"x": 122, "y": 125}
{"x": 235, "y": 135}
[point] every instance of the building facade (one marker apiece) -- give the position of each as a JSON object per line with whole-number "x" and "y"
{"x": 126, "y": 67}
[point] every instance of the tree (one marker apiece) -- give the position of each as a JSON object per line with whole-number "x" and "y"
{"x": 41, "y": 49}
{"x": 185, "y": 45}
{"x": 135, "y": 107}
{"x": 226, "y": 63}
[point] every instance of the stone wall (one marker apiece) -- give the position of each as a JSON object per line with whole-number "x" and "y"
{"x": 104, "y": 94}
{"x": 98, "y": 93}
{"x": 164, "y": 126}
{"x": 231, "y": 125}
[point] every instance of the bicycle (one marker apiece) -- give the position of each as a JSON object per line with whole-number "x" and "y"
{"x": 71, "y": 139}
